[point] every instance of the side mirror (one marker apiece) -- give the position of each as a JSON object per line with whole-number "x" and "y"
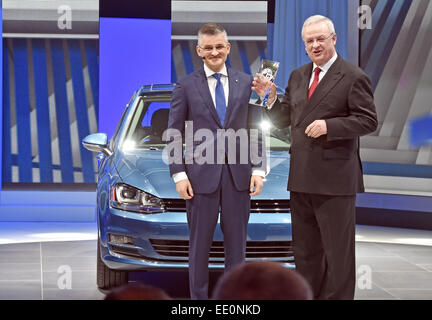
{"x": 97, "y": 142}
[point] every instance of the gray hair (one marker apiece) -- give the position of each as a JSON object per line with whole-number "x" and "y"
{"x": 211, "y": 29}
{"x": 316, "y": 19}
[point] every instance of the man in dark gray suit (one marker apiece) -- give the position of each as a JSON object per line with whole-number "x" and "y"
{"x": 329, "y": 105}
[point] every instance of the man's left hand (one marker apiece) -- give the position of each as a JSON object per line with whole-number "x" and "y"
{"x": 316, "y": 129}
{"x": 257, "y": 183}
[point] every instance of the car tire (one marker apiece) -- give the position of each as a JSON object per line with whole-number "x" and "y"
{"x": 108, "y": 278}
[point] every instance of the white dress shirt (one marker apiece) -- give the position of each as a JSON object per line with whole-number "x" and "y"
{"x": 212, "y": 82}
{"x": 324, "y": 69}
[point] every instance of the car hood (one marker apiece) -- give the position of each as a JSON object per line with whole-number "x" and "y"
{"x": 147, "y": 170}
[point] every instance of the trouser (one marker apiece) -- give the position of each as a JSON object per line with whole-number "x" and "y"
{"x": 323, "y": 229}
{"x": 202, "y": 216}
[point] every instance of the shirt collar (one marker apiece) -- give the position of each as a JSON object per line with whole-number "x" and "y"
{"x": 209, "y": 72}
{"x": 325, "y": 67}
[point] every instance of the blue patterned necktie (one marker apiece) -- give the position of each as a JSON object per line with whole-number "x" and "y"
{"x": 220, "y": 99}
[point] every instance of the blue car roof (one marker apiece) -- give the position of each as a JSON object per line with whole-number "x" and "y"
{"x": 168, "y": 88}
{"x": 156, "y": 88}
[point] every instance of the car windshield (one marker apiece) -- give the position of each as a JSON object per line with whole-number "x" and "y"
{"x": 150, "y": 120}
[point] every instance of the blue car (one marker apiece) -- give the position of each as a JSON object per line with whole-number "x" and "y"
{"x": 142, "y": 220}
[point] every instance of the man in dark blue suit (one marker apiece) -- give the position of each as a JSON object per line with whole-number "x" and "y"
{"x": 213, "y": 102}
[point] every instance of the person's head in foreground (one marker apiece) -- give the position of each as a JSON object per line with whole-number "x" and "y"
{"x": 262, "y": 280}
{"x": 137, "y": 291}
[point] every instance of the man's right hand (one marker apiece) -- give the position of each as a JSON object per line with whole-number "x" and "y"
{"x": 260, "y": 86}
{"x": 184, "y": 189}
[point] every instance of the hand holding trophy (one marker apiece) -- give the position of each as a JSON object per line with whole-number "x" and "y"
{"x": 263, "y": 82}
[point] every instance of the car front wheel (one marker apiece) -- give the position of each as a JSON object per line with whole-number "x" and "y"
{"x": 108, "y": 278}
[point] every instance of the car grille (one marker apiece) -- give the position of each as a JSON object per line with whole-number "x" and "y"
{"x": 125, "y": 250}
{"x": 257, "y": 206}
{"x": 254, "y": 249}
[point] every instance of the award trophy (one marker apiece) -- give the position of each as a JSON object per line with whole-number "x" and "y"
{"x": 269, "y": 70}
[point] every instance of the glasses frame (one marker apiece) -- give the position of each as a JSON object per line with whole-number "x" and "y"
{"x": 209, "y": 50}
{"x": 311, "y": 42}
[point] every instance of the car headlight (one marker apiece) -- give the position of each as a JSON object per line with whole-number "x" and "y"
{"x": 126, "y": 197}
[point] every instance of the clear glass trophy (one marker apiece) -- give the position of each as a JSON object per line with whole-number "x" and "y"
{"x": 269, "y": 70}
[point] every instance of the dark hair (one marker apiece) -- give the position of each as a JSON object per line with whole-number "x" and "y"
{"x": 262, "y": 280}
{"x": 212, "y": 29}
{"x": 137, "y": 291}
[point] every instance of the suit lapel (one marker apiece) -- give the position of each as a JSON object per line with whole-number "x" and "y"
{"x": 303, "y": 90}
{"x": 332, "y": 77}
{"x": 204, "y": 91}
{"x": 233, "y": 84}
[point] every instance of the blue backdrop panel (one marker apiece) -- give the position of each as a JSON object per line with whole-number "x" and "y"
{"x": 397, "y": 169}
{"x": 31, "y": 65}
{"x": 1, "y": 99}
{"x": 228, "y": 62}
{"x": 187, "y": 57}
{"x": 370, "y": 39}
{"x": 133, "y": 52}
{"x": 270, "y": 36}
{"x": 91, "y": 52}
{"x": 261, "y": 49}
{"x": 6, "y": 147}
{"x": 173, "y": 71}
{"x": 61, "y": 102}
{"x": 288, "y": 47}
{"x": 387, "y": 40}
{"x": 22, "y": 99}
{"x": 81, "y": 107}
{"x": 421, "y": 131}
{"x": 377, "y": 43}
{"x": 43, "y": 117}
{"x": 244, "y": 57}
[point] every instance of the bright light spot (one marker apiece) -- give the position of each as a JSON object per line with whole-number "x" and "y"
{"x": 265, "y": 125}
{"x": 63, "y": 236}
{"x": 129, "y": 145}
{"x": 414, "y": 241}
{"x": 5, "y": 241}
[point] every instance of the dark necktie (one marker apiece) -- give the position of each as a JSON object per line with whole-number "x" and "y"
{"x": 220, "y": 99}
{"x": 314, "y": 83}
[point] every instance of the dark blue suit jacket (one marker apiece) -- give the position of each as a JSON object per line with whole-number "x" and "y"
{"x": 191, "y": 101}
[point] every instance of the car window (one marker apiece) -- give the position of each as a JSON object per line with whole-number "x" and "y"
{"x": 149, "y": 122}
{"x": 115, "y": 136}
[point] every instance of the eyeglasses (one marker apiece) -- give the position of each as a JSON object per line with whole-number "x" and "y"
{"x": 209, "y": 49}
{"x": 320, "y": 40}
